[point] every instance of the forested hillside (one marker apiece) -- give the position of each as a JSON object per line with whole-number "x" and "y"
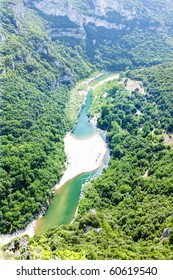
{"x": 36, "y": 76}
{"x": 45, "y": 48}
{"x": 115, "y": 34}
{"x": 127, "y": 212}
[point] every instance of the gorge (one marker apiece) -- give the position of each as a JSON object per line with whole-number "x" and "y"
{"x": 51, "y": 51}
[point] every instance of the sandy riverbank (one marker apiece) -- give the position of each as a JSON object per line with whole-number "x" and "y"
{"x": 82, "y": 156}
{"x": 113, "y": 77}
{"x": 6, "y": 238}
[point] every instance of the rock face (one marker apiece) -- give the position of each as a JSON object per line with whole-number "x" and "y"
{"x": 105, "y": 26}
{"x": 107, "y": 13}
{"x": 19, "y": 247}
{"x": 79, "y": 16}
{"x": 166, "y": 232}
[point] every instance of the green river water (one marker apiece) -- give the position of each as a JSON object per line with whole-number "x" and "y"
{"x": 84, "y": 128}
{"x": 65, "y": 201}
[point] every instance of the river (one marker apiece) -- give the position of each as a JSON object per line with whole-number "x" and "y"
{"x": 64, "y": 204}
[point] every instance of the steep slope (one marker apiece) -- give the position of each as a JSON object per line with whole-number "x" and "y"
{"x": 127, "y": 212}
{"x": 46, "y": 46}
{"x": 115, "y": 33}
{"x": 35, "y": 79}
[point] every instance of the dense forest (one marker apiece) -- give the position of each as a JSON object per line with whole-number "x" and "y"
{"x": 126, "y": 213}
{"x": 36, "y": 76}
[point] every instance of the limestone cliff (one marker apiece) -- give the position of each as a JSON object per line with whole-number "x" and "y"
{"x": 109, "y": 30}
{"x": 107, "y": 26}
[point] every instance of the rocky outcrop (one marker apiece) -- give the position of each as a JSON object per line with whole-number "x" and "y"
{"x": 86, "y": 18}
{"x": 109, "y": 14}
{"x": 84, "y": 12}
{"x": 19, "y": 13}
{"x": 19, "y": 247}
{"x": 166, "y": 232}
{"x": 2, "y": 38}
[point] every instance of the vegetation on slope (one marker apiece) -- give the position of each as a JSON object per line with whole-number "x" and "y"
{"x": 36, "y": 76}
{"x": 126, "y": 213}
{"x": 114, "y": 35}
